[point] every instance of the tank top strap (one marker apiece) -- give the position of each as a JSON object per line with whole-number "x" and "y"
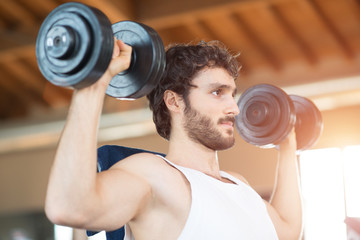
{"x": 184, "y": 170}
{"x": 231, "y": 178}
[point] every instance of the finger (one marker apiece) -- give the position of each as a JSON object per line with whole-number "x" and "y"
{"x": 126, "y": 49}
{"x": 116, "y": 50}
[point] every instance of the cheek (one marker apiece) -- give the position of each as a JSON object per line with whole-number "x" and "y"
{"x": 205, "y": 104}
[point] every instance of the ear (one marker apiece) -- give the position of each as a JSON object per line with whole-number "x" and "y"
{"x": 173, "y": 101}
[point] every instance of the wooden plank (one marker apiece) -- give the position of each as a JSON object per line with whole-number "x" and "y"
{"x": 328, "y": 23}
{"x": 24, "y": 76}
{"x": 175, "y": 16}
{"x": 271, "y": 35}
{"x": 18, "y": 12}
{"x": 162, "y": 8}
{"x": 232, "y": 35}
{"x": 30, "y": 78}
{"x": 46, "y": 5}
{"x": 40, "y": 8}
{"x": 344, "y": 16}
{"x": 11, "y": 106}
{"x": 55, "y": 96}
{"x": 199, "y": 30}
{"x": 27, "y": 96}
{"x": 176, "y": 34}
{"x": 2, "y": 23}
{"x": 258, "y": 40}
{"x": 110, "y": 9}
{"x": 310, "y": 28}
{"x": 12, "y": 54}
{"x": 11, "y": 39}
{"x": 304, "y": 48}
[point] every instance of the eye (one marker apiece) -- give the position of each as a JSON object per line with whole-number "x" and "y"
{"x": 217, "y": 92}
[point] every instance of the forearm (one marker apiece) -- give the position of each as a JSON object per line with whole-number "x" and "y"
{"x": 73, "y": 174}
{"x": 73, "y": 183}
{"x": 286, "y": 198}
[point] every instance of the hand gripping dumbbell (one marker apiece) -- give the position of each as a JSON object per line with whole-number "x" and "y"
{"x": 75, "y": 44}
{"x": 268, "y": 114}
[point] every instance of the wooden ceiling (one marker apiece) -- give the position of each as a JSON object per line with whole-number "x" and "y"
{"x": 283, "y": 42}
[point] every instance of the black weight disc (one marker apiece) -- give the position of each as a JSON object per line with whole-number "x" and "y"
{"x": 160, "y": 57}
{"x": 74, "y": 45}
{"x": 147, "y": 63}
{"x": 266, "y": 117}
{"x": 309, "y": 125}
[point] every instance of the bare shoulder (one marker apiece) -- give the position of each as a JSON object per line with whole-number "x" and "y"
{"x": 238, "y": 176}
{"x": 141, "y": 162}
{"x": 151, "y": 167}
{"x": 170, "y": 189}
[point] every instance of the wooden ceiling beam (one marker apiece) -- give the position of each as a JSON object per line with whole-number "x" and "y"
{"x": 174, "y": 14}
{"x": 162, "y": 8}
{"x": 295, "y": 37}
{"x": 8, "y": 55}
{"x": 199, "y": 30}
{"x": 40, "y": 8}
{"x": 115, "y": 10}
{"x": 348, "y": 51}
{"x": 18, "y": 12}
{"x": 236, "y": 40}
{"x": 345, "y": 18}
{"x": 268, "y": 53}
{"x": 11, "y": 39}
{"x": 27, "y": 96}
{"x": 24, "y": 76}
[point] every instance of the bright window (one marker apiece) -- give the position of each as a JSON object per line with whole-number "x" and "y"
{"x": 352, "y": 180}
{"x": 330, "y": 183}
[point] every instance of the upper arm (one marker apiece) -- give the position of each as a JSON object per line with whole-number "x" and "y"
{"x": 120, "y": 194}
{"x": 282, "y": 228}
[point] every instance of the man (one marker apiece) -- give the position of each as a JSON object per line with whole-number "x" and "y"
{"x": 182, "y": 196}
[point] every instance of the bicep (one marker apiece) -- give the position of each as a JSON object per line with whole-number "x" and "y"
{"x": 119, "y": 196}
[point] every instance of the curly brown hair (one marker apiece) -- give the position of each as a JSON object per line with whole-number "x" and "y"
{"x": 183, "y": 62}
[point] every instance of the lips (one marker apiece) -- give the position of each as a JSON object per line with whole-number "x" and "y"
{"x": 227, "y": 123}
{"x": 230, "y": 121}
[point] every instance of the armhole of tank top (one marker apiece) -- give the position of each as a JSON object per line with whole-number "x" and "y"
{"x": 232, "y": 178}
{"x": 168, "y": 162}
{"x": 182, "y": 171}
{"x": 128, "y": 233}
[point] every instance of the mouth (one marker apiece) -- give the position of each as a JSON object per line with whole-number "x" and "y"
{"x": 230, "y": 124}
{"x": 227, "y": 122}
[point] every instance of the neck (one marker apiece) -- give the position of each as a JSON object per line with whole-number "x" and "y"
{"x": 190, "y": 154}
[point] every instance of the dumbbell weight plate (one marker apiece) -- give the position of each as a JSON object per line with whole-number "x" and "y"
{"x": 308, "y": 124}
{"x": 74, "y": 45}
{"x": 266, "y": 117}
{"x": 147, "y": 63}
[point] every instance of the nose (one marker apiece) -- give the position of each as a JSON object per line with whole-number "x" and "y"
{"x": 232, "y": 107}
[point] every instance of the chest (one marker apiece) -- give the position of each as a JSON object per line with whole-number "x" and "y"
{"x": 225, "y": 211}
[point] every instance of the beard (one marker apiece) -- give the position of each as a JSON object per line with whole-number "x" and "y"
{"x": 202, "y": 129}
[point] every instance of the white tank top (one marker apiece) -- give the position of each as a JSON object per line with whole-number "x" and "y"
{"x": 222, "y": 210}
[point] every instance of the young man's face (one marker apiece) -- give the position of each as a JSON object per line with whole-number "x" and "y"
{"x": 209, "y": 118}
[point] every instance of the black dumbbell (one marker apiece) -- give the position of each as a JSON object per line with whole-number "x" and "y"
{"x": 268, "y": 114}
{"x": 75, "y": 44}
